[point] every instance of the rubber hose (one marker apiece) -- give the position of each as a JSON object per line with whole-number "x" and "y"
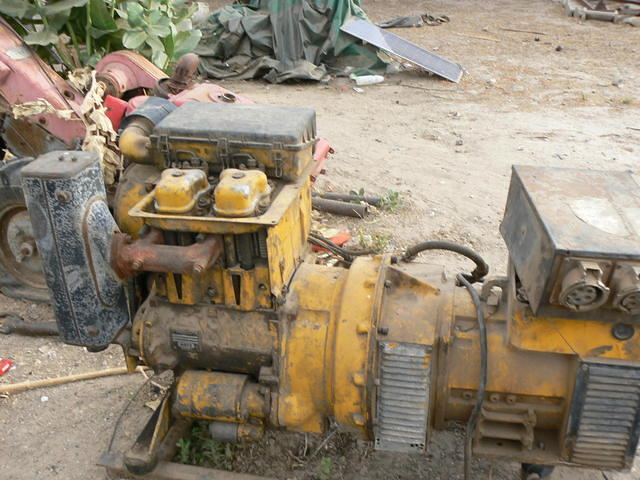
{"x": 481, "y": 270}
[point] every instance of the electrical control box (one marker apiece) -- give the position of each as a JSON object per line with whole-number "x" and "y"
{"x": 574, "y": 240}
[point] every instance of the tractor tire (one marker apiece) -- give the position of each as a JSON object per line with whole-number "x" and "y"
{"x": 21, "y": 274}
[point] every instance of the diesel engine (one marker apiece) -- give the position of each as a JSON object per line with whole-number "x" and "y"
{"x": 203, "y": 267}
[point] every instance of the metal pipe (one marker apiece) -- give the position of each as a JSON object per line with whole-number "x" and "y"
{"x": 347, "y": 197}
{"x": 130, "y": 257}
{"x": 357, "y": 210}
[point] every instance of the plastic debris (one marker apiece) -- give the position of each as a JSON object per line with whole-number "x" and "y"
{"x": 367, "y": 79}
{"x": 5, "y": 365}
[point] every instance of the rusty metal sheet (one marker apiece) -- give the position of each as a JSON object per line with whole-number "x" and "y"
{"x": 411, "y": 52}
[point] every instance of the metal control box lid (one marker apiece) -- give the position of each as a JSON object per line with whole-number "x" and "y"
{"x": 59, "y": 164}
{"x": 554, "y": 213}
{"x": 258, "y": 123}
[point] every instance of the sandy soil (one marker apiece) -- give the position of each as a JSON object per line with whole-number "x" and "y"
{"x": 447, "y": 149}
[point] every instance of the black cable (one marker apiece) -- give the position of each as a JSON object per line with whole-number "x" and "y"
{"x": 346, "y": 254}
{"x": 475, "y": 413}
{"x": 481, "y": 270}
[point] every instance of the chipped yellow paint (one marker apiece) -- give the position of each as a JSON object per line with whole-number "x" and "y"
{"x": 570, "y": 337}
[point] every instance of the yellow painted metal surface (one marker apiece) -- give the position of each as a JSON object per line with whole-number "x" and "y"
{"x": 135, "y": 184}
{"x": 177, "y": 191}
{"x": 134, "y": 144}
{"x": 570, "y": 337}
{"x": 287, "y": 241}
{"x": 281, "y": 203}
{"x": 240, "y": 192}
{"x": 307, "y": 348}
{"x": 325, "y": 346}
{"x": 350, "y": 375}
{"x": 219, "y": 396}
{"x": 541, "y": 374}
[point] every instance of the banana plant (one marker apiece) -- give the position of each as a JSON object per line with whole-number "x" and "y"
{"x": 80, "y": 32}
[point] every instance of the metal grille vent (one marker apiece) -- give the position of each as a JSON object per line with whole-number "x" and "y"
{"x": 403, "y": 397}
{"x": 604, "y": 415}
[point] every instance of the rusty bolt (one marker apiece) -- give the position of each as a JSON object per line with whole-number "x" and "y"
{"x": 467, "y": 395}
{"x": 62, "y": 195}
{"x": 262, "y": 287}
{"x": 26, "y": 249}
{"x": 494, "y": 397}
{"x": 511, "y": 399}
{"x": 211, "y": 291}
{"x": 383, "y": 330}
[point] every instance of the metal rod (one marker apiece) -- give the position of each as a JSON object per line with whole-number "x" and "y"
{"x": 49, "y": 382}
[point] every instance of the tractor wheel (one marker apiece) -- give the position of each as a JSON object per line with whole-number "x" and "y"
{"x": 21, "y": 273}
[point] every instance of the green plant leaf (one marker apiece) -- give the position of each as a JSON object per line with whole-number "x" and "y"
{"x": 186, "y": 42}
{"x": 184, "y": 25}
{"x": 159, "y": 58}
{"x": 61, "y": 6}
{"x": 98, "y": 33}
{"x": 56, "y": 22}
{"x": 43, "y": 38}
{"x": 101, "y": 16}
{"x": 135, "y": 14}
{"x": 155, "y": 43}
{"x": 168, "y": 45}
{"x": 155, "y": 16}
{"x": 14, "y": 8}
{"x": 133, "y": 39}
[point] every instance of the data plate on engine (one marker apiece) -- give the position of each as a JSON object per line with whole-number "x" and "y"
{"x": 185, "y": 341}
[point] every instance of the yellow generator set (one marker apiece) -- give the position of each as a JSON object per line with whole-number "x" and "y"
{"x": 203, "y": 267}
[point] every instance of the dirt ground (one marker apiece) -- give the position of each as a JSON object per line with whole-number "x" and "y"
{"x": 447, "y": 149}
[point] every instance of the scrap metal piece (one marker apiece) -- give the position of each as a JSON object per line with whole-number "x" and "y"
{"x": 403, "y": 48}
{"x": 12, "y": 323}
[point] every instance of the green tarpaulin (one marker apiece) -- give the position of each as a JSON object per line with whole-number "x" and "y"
{"x": 281, "y": 40}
